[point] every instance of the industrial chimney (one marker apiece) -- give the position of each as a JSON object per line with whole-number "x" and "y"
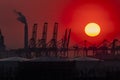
{"x": 22, "y": 19}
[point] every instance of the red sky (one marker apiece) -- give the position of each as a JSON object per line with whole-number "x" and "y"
{"x": 106, "y": 13}
{"x": 71, "y": 13}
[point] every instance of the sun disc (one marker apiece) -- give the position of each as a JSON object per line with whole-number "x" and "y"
{"x": 92, "y": 29}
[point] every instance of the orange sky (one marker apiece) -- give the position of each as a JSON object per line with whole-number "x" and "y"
{"x": 70, "y": 13}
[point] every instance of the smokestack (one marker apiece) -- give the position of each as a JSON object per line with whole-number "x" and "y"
{"x": 23, "y": 20}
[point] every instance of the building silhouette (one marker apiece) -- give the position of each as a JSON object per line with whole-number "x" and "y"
{"x": 2, "y": 45}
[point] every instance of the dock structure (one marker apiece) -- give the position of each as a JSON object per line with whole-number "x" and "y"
{"x": 60, "y": 47}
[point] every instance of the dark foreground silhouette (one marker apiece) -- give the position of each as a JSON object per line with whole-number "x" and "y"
{"x": 84, "y": 70}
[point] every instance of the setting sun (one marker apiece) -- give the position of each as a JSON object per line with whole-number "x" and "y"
{"x": 92, "y": 29}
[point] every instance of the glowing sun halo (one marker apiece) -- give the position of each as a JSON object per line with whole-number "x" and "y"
{"x": 92, "y": 29}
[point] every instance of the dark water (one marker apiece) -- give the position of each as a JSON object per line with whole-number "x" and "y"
{"x": 59, "y": 70}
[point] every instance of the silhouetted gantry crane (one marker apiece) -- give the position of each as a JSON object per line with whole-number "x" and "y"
{"x": 32, "y": 43}
{"x": 65, "y": 43}
{"x": 52, "y": 44}
{"x": 54, "y": 47}
{"x": 60, "y": 48}
{"x": 42, "y": 42}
